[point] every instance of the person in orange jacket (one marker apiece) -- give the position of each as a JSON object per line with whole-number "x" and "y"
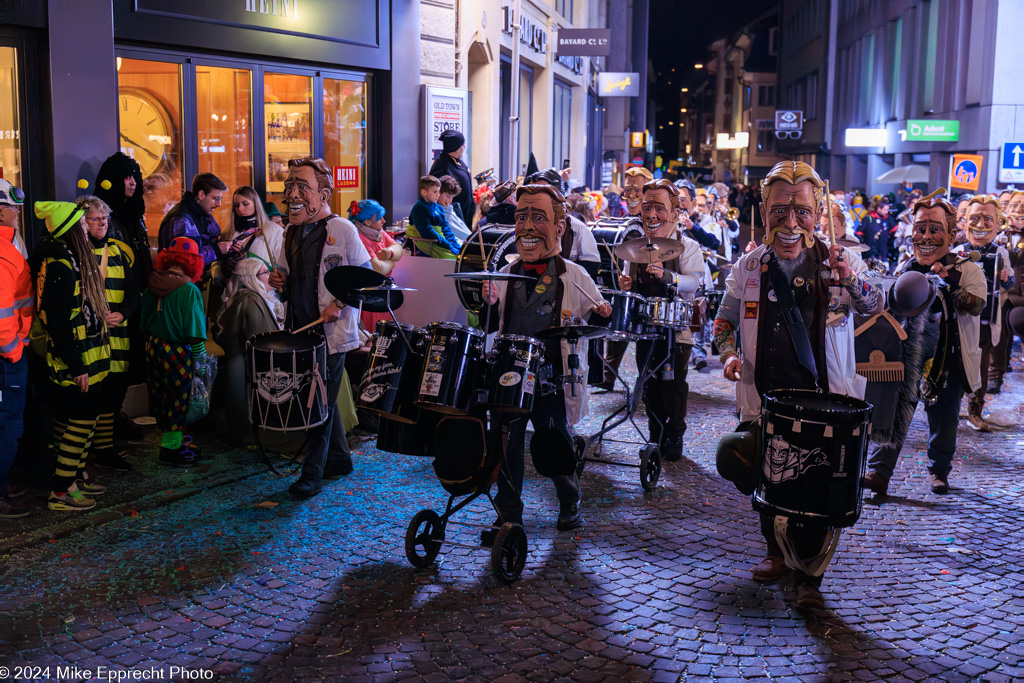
{"x": 17, "y": 305}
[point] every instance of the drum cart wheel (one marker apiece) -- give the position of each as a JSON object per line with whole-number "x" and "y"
{"x": 650, "y": 466}
{"x": 423, "y": 538}
{"x": 580, "y": 446}
{"x": 508, "y": 555}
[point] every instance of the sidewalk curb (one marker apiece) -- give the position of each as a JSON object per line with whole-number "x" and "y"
{"x": 120, "y": 511}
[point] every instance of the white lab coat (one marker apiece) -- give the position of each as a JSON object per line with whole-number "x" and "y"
{"x": 576, "y": 407}
{"x": 996, "y": 326}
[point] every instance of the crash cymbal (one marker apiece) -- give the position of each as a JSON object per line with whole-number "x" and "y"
{"x": 572, "y": 332}
{"x": 345, "y": 280}
{"x": 859, "y": 248}
{"x": 388, "y": 287}
{"x": 713, "y": 255}
{"x": 487, "y": 275}
{"x": 650, "y": 250}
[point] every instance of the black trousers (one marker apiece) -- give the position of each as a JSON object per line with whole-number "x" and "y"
{"x": 548, "y": 411}
{"x": 665, "y": 398}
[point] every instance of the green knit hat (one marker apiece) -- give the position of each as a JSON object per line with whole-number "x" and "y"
{"x": 59, "y": 216}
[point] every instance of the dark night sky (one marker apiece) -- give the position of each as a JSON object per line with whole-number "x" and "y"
{"x": 680, "y": 33}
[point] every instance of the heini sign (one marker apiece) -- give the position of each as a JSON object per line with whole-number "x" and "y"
{"x": 922, "y": 130}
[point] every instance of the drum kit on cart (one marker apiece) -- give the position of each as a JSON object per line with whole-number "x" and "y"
{"x": 433, "y": 388}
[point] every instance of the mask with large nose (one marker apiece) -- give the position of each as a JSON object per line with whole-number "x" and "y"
{"x": 538, "y": 223}
{"x": 790, "y": 213}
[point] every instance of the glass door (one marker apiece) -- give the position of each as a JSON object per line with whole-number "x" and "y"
{"x": 224, "y": 118}
{"x": 345, "y": 140}
{"x": 149, "y": 120}
{"x": 10, "y": 124}
{"x": 288, "y": 131}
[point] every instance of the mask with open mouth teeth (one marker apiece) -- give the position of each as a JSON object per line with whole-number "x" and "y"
{"x": 984, "y": 218}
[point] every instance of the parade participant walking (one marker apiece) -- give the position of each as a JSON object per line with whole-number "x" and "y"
{"x": 73, "y": 312}
{"x": 115, "y": 260}
{"x": 666, "y": 394}
{"x": 778, "y": 300}
{"x": 984, "y": 219}
{"x": 316, "y": 241}
{"x": 173, "y": 319}
{"x": 192, "y": 217}
{"x": 578, "y": 243}
{"x": 941, "y": 352}
{"x": 525, "y": 308}
{"x": 17, "y": 308}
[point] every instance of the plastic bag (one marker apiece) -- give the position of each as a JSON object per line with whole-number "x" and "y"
{"x": 204, "y": 371}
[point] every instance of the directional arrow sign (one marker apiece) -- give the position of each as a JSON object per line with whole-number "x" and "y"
{"x": 1011, "y": 163}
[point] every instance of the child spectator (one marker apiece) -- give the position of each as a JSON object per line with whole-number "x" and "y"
{"x": 450, "y": 189}
{"x": 430, "y": 233}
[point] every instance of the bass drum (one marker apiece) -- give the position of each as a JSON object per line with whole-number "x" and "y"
{"x": 499, "y": 243}
{"x": 610, "y": 233}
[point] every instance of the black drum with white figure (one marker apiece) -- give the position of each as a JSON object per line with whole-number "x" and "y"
{"x": 287, "y": 378}
{"x": 390, "y": 382}
{"x": 454, "y": 357}
{"x": 610, "y": 233}
{"x": 629, "y": 315}
{"x": 814, "y": 445}
{"x": 499, "y": 248}
{"x": 514, "y": 368}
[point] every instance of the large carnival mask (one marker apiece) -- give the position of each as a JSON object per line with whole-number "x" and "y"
{"x": 790, "y": 215}
{"x": 931, "y": 237}
{"x": 633, "y": 194}
{"x": 302, "y": 194}
{"x": 983, "y": 223}
{"x": 538, "y": 231}
{"x": 658, "y": 215}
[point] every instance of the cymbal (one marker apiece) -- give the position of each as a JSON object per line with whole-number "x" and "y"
{"x": 388, "y": 287}
{"x": 650, "y": 250}
{"x": 376, "y": 301}
{"x": 859, "y": 248}
{"x": 711, "y": 254}
{"x": 572, "y": 332}
{"x": 487, "y": 275}
{"x": 345, "y": 280}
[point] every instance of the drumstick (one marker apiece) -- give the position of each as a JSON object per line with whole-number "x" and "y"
{"x": 584, "y": 293}
{"x": 306, "y": 327}
{"x": 483, "y": 256}
{"x": 828, "y": 210}
{"x": 615, "y": 262}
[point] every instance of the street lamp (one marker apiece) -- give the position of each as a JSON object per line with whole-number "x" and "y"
{"x": 698, "y": 66}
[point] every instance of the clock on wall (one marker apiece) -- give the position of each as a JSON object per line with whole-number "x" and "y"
{"x": 147, "y": 132}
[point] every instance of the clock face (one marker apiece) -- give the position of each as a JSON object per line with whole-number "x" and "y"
{"x": 145, "y": 130}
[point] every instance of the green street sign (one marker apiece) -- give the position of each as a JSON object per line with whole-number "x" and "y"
{"x": 926, "y": 130}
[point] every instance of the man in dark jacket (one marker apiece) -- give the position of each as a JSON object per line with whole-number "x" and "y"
{"x": 450, "y": 163}
{"x": 192, "y": 217}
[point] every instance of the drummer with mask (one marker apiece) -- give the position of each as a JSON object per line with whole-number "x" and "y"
{"x": 790, "y": 302}
{"x": 666, "y": 394}
{"x": 554, "y": 290}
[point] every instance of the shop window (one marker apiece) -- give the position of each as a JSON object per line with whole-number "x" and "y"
{"x": 562, "y": 119}
{"x": 10, "y": 124}
{"x": 345, "y": 140}
{"x": 149, "y": 120}
{"x": 288, "y": 117}
{"x": 525, "y": 117}
{"x": 223, "y": 112}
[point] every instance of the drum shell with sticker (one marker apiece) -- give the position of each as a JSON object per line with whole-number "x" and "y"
{"x": 814, "y": 445}
{"x": 516, "y": 362}
{"x": 629, "y": 315}
{"x": 389, "y": 384}
{"x": 453, "y": 357}
{"x": 286, "y": 376}
{"x": 408, "y": 438}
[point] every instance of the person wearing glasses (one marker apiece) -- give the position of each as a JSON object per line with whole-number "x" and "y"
{"x": 250, "y": 307}
{"x": 17, "y": 308}
{"x": 116, "y": 261}
{"x": 666, "y": 394}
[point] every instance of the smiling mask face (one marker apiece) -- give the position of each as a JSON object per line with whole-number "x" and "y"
{"x": 983, "y": 223}
{"x": 791, "y": 214}
{"x": 302, "y": 194}
{"x": 538, "y": 234}
{"x": 657, "y": 213}
{"x": 633, "y": 194}
{"x": 931, "y": 238}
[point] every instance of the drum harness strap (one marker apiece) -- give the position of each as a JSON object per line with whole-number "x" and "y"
{"x": 814, "y": 566}
{"x": 791, "y": 314}
{"x": 317, "y": 384}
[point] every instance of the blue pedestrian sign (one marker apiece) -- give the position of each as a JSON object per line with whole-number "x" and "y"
{"x": 1011, "y": 163}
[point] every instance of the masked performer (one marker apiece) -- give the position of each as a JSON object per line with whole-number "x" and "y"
{"x": 984, "y": 220}
{"x": 665, "y": 396}
{"x": 790, "y": 301}
{"x": 941, "y": 355}
{"x": 525, "y": 308}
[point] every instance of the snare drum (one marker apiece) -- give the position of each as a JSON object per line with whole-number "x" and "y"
{"x": 671, "y": 313}
{"x": 517, "y": 361}
{"x": 453, "y": 359}
{"x": 287, "y": 378}
{"x": 814, "y": 446}
{"x": 629, "y": 313}
{"x": 389, "y": 383}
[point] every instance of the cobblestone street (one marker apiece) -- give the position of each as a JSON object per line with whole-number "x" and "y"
{"x": 189, "y": 570}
